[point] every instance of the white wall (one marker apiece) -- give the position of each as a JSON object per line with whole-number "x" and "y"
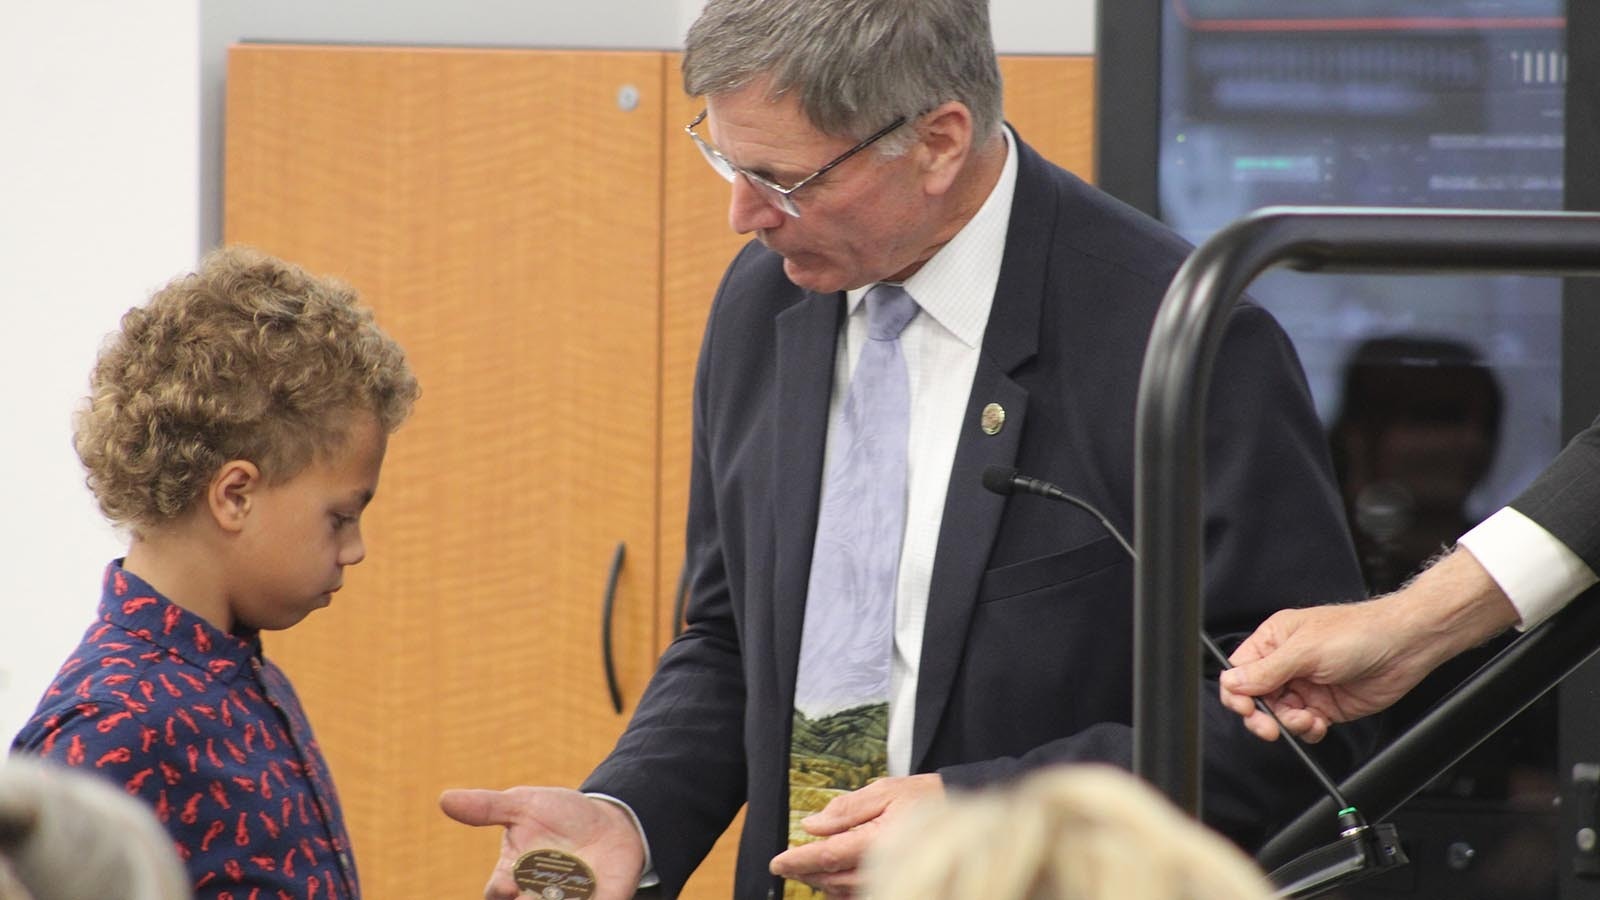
{"x": 100, "y": 101}
{"x": 112, "y": 166}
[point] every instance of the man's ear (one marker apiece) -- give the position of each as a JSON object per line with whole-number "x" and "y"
{"x": 944, "y": 144}
{"x": 230, "y": 496}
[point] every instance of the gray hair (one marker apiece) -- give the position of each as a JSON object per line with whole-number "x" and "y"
{"x": 854, "y": 65}
{"x": 66, "y": 835}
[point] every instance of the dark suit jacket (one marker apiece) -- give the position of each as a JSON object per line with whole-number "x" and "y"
{"x": 1565, "y": 498}
{"x": 1027, "y": 652}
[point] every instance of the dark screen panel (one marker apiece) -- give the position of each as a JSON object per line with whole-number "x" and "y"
{"x": 1435, "y": 103}
{"x": 1438, "y": 104}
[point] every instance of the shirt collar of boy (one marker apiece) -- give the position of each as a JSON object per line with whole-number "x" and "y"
{"x": 129, "y": 602}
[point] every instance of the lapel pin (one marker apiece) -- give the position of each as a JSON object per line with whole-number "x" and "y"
{"x": 994, "y": 416}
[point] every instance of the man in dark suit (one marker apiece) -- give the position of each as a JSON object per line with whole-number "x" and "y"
{"x": 1012, "y": 625}
{"x": 1340, "y": 663}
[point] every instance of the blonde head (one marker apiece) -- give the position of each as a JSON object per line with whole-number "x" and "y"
{"x": 1068, "y": 833}
{"x": 65, "y": 835}
{"x": 248, "y": 357}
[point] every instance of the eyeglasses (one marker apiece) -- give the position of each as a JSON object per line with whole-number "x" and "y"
{"x": 773, "y": 192}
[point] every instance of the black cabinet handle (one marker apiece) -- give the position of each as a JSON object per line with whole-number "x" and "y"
{"x": 606, "y": 607}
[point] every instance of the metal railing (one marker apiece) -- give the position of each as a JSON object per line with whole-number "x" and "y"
{"x": 1170, "y": 466}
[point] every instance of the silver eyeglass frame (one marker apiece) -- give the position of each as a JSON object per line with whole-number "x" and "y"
{"x": 771, "y": 191}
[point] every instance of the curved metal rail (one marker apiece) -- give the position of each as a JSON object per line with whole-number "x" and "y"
{"x": 1170, "y": 463}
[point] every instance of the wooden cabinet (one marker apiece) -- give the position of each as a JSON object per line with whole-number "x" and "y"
{"x": 536, "y": 231}
{"x": 500, "y": 212}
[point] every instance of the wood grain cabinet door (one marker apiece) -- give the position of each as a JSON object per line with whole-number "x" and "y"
{"x": 501, "y": 211}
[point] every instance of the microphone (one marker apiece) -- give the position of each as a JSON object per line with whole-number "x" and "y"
{"x": 1361, "y": 850}
{"x": 1006, "y": 480}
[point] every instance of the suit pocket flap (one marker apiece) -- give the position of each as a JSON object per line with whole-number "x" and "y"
{"x": 1046, "y": 571}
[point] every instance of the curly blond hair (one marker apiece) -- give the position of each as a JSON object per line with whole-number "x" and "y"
{"x": 247, "y": 357}
{"x": 1076, "y": 832}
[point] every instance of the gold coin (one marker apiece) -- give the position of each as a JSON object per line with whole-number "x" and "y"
{"x": 554, "y": 875}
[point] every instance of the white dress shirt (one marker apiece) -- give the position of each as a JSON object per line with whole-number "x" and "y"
{"x": 1538, "y": 573}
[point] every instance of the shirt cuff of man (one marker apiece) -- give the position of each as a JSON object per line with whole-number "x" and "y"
{"x": 647, "y": 878}
{"x": 1537, "y": 572}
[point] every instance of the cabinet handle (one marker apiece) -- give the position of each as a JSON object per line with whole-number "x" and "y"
{"x": 680, "y": 600}
{"x": 606, "y": 607}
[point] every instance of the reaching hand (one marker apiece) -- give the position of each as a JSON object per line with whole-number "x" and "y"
{"x": 1328, "y": 664}
{"x": 847, "y": 826}
{"x": 1318, "y": 666}
{"x": 597, "y": 830}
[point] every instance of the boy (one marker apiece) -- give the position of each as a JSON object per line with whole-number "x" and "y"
{"x": 235, "y": 427}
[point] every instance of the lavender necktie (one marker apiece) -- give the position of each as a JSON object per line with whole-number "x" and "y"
{"x": 841, "y": 717}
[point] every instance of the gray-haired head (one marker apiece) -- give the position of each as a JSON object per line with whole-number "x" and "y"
{"x": 854, "y": 65}
{"x": 66, "y": 835}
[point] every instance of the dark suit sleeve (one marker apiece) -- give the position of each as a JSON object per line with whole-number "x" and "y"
{"x": 1565, "y": 498}
{"x": 680, "y": 764}
{"x": 1274, "y": 535}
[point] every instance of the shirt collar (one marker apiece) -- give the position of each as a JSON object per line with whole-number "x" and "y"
{"x": 129, "y": 602}
{"x": 956, "y": 286}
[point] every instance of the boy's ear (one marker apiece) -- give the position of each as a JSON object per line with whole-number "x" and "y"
{"x": 231, "y": 493}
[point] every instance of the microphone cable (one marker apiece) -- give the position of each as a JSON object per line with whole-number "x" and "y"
{"x": 1006, "y": 480}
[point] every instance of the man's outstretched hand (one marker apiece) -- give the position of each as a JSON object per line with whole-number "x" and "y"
{"x": 600, "y": 832}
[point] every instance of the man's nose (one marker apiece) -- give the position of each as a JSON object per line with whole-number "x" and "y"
{"x": 749, "y": 210}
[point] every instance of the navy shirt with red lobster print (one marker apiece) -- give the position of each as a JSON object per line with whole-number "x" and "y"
{"x": 207, "y": 731}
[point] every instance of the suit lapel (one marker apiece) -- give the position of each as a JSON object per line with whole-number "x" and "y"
{"x": 807, "y": 338}
{"x": 972, "y": 513}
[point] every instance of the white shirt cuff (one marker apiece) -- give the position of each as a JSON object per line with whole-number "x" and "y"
{"x": 647, "y": 878}
{"x": 1537, "y": 572}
